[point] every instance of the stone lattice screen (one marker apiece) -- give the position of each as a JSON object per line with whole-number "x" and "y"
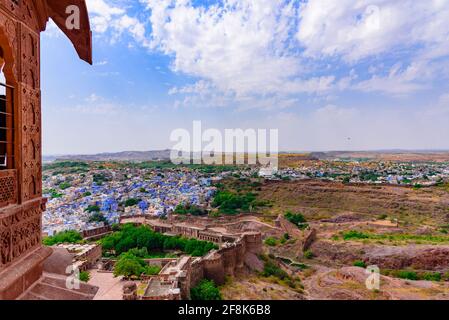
{"x": 8, "y": 187}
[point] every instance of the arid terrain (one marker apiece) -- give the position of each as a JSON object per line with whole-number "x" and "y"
{"x": 323, "y": 223}
{"x": 401, "y": 230}
{"x": 319, "y": 200}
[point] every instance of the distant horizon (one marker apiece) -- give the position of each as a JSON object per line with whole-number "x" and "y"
{"x": 395, "y": 150}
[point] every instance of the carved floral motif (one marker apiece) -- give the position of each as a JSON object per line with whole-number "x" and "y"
{"x": 20, "y": 233}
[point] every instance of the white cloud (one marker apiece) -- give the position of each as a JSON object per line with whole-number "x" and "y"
{"x": 101, "y": 63}
{"x": 246, "y": 47}
{"x": 103, "y": 109}
{"x": 398, "y": 81}
{"x": 93, "y": 98}
{"x": 105, "y": 16}
{"x": 241, "y": 46}
{"x": 256, "y": 52}
{"x": 364, "y": 28}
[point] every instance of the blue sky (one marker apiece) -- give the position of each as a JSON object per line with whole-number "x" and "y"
{"x": 330, "y": 75}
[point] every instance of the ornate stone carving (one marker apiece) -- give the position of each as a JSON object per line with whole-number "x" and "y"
{"x": 21, "y": 21}
{"x": 20, "y": 233}
{"x": 9, "y": 30}
{"x": 5, "y": 241}
{"x": 31, "y": 135}
{"x": 8, "y": 187}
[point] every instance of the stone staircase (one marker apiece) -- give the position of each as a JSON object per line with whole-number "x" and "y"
{"x": 53, "y": 287}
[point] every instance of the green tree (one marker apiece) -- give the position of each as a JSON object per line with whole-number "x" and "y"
{"x": 231, "y": 203}
{"x": 70, "y": 236}
{"x": 84, "y": 276}
{"x": 131, "y": 202}
{"x": 308, "y": 254}
{"x": 359, "y": 263}
{"x": 152, "y": 270}
{"x": 93, "y": 208}
{"x": 64, "y": 185}
{"x": 205, "y": 290}
{"x": 129, "y": 265}
{"x": 297, "y": 219}
{"x": 409, "y": 275}
{"x": 271, "y": 242}
{"x": 129, "y": 237}
{"x": 189, "y": 209}
{"x": 272, "y": 269}
{"x": 98, "y": 217}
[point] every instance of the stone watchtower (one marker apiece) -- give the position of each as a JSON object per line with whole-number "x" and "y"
{"x": 21, "y": 202}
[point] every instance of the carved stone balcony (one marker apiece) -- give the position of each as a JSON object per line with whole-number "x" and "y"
{"x": 8, "y": 187}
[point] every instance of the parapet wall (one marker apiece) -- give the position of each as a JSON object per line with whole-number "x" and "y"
{"x": 228, "y": 260}
{"x": 97, "y": 233}
{"x": 213, "y": 268}
{"x": 217, "y": 265}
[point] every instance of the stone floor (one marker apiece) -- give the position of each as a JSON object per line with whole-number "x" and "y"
{"x": 54, "y": 287}
{"x": 110, "y": 288}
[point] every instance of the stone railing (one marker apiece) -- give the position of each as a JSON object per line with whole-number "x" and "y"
{"x": 8, "y": 187}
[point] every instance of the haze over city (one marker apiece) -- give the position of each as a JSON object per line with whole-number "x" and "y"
{"x": 331, "y": 75}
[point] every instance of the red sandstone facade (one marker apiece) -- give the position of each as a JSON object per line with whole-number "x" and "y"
{"x": 21, "y": 203}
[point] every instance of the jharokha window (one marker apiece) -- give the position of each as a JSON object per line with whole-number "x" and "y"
{"x": 6, "y": 121}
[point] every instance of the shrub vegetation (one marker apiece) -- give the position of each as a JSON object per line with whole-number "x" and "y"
{"x": 297, "y": 219}
{"x": 70, "y": 236}
{"x": 205, "y": 290}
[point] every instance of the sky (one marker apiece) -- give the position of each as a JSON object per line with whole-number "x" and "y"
{"x": 329, "y": 75}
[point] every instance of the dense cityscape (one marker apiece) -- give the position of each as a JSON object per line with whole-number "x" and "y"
{"x": 74, "y": 197}
{"x": 78, "y": 190}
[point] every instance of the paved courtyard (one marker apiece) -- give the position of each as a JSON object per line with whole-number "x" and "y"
{"x": 110, "y": 287}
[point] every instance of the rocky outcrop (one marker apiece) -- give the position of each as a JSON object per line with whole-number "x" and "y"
{"x": 349, "y": 283}
{"x": 309, "y": 236}
{"x": 419, "y": 257}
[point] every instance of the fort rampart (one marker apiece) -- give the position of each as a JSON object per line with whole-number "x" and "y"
{"x": 185, "y": 273}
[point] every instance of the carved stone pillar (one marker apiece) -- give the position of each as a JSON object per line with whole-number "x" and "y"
{"x": 21, "y": 204}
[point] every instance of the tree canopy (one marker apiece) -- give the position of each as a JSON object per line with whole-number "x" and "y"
{"x": 193, "y": 210}
{"x": 297, "y": 219}
{"x": 98, "y": 217}
{"x": 231, "y": 203}
{"x": 130, "y": 265}
{"x": 70, "y": 236}
{"x": 131, "y": 237}
{"x": 205, "y": 290}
